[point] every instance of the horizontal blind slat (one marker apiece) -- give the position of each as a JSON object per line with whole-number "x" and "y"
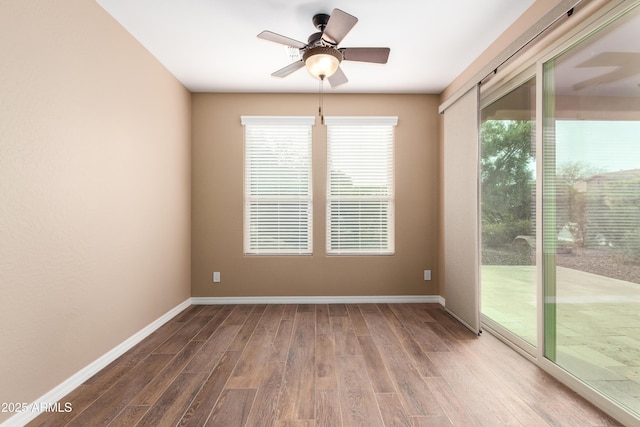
{"x": 278, "y": 199}
{"x": 360, "y": 187}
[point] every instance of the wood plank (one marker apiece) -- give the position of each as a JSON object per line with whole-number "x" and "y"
{"x": 380, "y": 380}
{"x": 325, "y": 369}
{"x": 138, "y": 352}
{"x": 479, "y": 400}
{"x": 295, "y": 423}
{"x": 431, "y": 421}
{"x": 265, "y": 406}
{"x": 232, "y": 408}
{"x": 427, "y": 339}
{"x": 368, "y": 308}
{"x": 129, "y": 416}
{"x": 104, "y": 409}
{"x": 304, "y": 329}
{"x": 209, "y": 310}
{"x": 250, "y": 367}
{"x": 451, "y": 404}
{"x": 421, "y": 310}
{"x": 380, "y": 328}
{"x": 159, "y": 383}
{"x": 392, "y": 411}
{"x": 506, "y": 395}
{"x": 177, "y": 341}
{"x": 340, "y": 325}
{"x": 297, "y": 400}
{"x": 322, "y": 319}
{"x": 270, "y": 320}
{"x": 359, "y": 405}
{"x": 328, "y": 412}
{"x": 345, "y": 338}
{"x": 171, "y": 405}
{"x": 455, "y": 328}
{"x": 202, "y": 405}
{"x": 411, "y": 387}
{"x": 239, "y": 314}
{"x": 443, "y": 335}
{"x": 357, "y": 321}
{"x": 338, "y": 310}
{"x": 290, "y": 311}
{"x": 212, "y": 350}
{"x": 410, "y": 345}
{"x": 259, "y": 309}
{"x": 412, "y": 322}
{"x": 217, "y": 318}
{"x": 306, "y": 308}
{"x": 242, "y": 338}
{"x": 188, "y": 313}
{"x": 282, "y": 340}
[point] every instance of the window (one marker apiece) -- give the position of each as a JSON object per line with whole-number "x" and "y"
{"x": 360, "y": 189}
{"x": 277, "y": 185}
{"x": 591, "y": 210}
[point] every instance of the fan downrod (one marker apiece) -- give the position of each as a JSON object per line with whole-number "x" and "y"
{"x": 320, "y": 21}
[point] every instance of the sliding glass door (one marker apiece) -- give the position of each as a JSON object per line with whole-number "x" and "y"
{"x": 560, "y": 210}
{"x": 507, "y": 212}
{"x": 591, "y": 210}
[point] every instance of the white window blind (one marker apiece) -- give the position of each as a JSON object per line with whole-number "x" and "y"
{"x": 360, "y": 189}
{"x": 277, "y": 192}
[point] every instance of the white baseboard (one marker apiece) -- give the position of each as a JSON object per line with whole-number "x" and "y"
{"x": 88, "y": 371}
{"x": 397, "y": 299}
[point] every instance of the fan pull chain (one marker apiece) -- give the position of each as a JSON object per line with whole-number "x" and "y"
{"x": 320, "y": 112}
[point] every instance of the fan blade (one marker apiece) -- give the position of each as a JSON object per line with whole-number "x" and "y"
{"x": 338, "y": 78}
{"x": 379, "y": 55}
{"x": 339, "y": 25}
{"x": 274, "y": 37}
{"x": 284, "y": 72}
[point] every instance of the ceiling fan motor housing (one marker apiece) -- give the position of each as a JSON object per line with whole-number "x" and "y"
{"x": 322, "y": 50}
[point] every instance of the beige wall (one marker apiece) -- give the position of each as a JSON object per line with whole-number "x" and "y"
{"x": 94, "y": 191}
{"x": 217, "y": 205}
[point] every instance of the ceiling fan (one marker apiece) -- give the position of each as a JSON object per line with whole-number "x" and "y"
{"x": 321, "y": 54}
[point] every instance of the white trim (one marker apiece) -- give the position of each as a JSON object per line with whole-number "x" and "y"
{"x": 361, "y": 120}
{"x": 278, "y": 120}
{"x": 71, "y": 383}
{"x": 366, "y": 299}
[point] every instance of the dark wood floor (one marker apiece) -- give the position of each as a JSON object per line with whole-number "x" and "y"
{"x": 321, "y": 365}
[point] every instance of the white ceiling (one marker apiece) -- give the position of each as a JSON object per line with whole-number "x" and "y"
{"x": 211, "y": 45}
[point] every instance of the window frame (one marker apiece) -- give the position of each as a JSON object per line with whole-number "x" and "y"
{"x": 333, "y": 122}
{"x": 251, "y": 245}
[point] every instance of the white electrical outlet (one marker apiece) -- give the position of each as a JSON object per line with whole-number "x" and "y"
{"x": 216, "y": 277}
{"x": 427, "y": 275}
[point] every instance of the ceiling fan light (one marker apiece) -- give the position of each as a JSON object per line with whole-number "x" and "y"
{"x": 322, "y": 62}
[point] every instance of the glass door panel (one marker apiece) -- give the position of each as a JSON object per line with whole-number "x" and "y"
{"x": 507, "y": 180}
{"x": 591, "y": 211}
